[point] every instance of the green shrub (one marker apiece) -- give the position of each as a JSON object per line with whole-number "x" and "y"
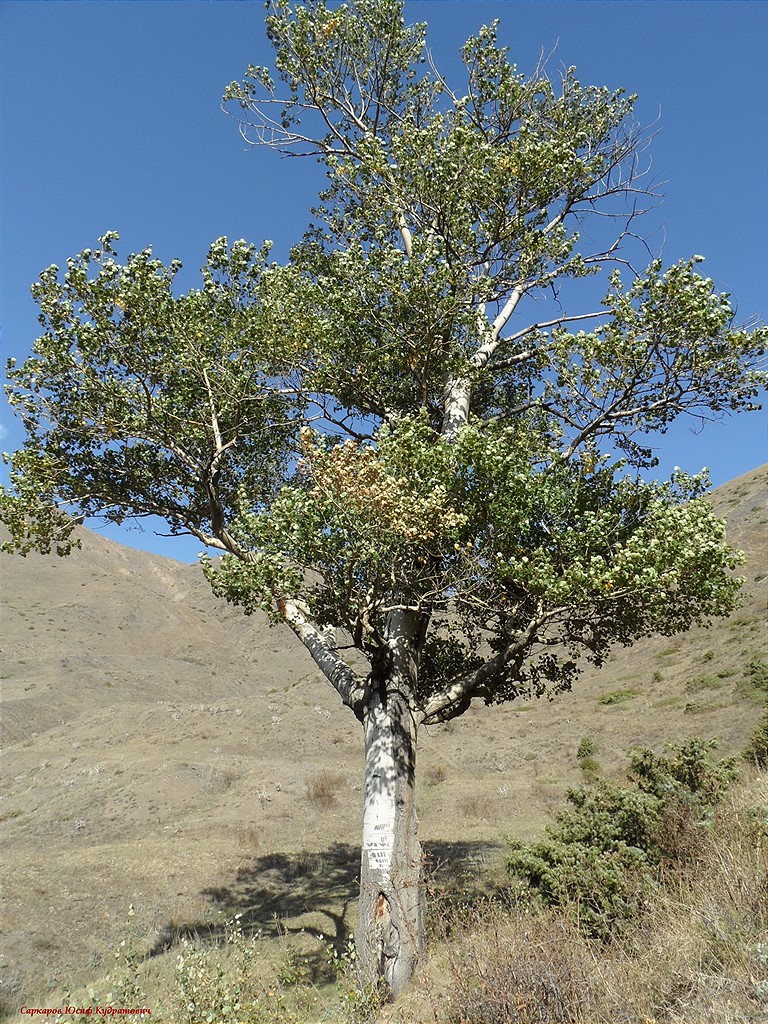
{"x": 598, "y": 856}
{"x": 688, "y": 770}
{"x": 618, "y": 697}
{"x": 601, "y": 857}
{"x": 360, "y": 1001}
{"x": 587, "y": 747}
{"x": 754, "y": 683}
{"x": 757, "y": 748}
{"x": 589, "y": 766}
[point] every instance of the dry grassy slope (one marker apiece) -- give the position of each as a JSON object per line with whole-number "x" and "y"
{"x": 158, "y": 746}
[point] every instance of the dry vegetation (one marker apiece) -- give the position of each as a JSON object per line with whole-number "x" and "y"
{"x": 170, "y": 765}
{"x": 696, "y": 952}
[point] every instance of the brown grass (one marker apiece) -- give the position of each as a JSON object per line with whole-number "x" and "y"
{"x": 478, "y": 807}
{"x": 322, "y": 788}
{"x": 697, "y": 955}
{"x": 434, "y": 774}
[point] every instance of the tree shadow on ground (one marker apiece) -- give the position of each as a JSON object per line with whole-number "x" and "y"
{"x": 313, "y": 893}
{"x": 280, "y": 894}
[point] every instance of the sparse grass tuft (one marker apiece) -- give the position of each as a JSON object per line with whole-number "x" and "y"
{"x": 322, "y": 789}
{"x": 434, "y": 774}
{"x": 478, "y": 807}
{"x": 513, "y": 969}
{"x": 618, "y": 696}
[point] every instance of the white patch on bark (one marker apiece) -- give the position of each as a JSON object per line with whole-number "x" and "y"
{"x": 379, "y": 810}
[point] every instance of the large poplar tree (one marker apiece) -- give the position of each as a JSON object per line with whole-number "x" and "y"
{"x": 423, "y": 436}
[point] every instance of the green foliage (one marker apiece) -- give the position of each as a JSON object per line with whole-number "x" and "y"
{"x": 219, "y": 984}
{"x": 589, "y": 766}
{"x": 754, "y": 682}
{"x": 600, "y": 858}
{"x": 361, "y": 1000}
{"x": 618, "y": 696}
{"x": 688, "y": 771}
{"x": 586, "y": 748}
{"x": 757, "y": 748}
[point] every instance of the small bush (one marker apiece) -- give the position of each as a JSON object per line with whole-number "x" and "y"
{"x": 589, "y": 766}
{"x": 757, "y": 748}
{"x": 699, "y": 683}
{"x": 618, "y": 697}
{"x": 360, "y": 1001}
{"x": 754, "y": 683}
{"x": 601, "y": 857}
{"x": 587, "y": 747}
{"x": 321, "y": 789}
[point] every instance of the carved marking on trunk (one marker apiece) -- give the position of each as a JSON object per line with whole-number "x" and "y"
{"x": 388, "y": 938}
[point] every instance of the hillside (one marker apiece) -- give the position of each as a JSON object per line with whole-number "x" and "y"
{"x": 161, "y": 750}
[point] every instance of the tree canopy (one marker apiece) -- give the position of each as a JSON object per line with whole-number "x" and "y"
{"x": 388, "y": 421}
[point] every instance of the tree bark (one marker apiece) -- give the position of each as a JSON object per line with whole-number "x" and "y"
{"x": 390, "y": 939}
{"x": 456, "y": 400}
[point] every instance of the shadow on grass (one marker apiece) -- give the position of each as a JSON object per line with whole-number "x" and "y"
{"x": 312, "y": 893}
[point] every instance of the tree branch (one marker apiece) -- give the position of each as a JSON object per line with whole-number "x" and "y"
{"x": 457, "y": 696}
{"x": 347, "y": 683}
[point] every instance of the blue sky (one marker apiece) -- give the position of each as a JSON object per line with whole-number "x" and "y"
{"x": 111, "y": 119}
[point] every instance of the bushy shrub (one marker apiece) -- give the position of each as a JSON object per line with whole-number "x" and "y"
{"x": 600, "y": 858}
{"x": 687, "y": 771}
{"x": 596, "y": 859}
{"x": 697, "y": 953}
{"x": 587, "y": 747}
{"x": 757, "y": 748}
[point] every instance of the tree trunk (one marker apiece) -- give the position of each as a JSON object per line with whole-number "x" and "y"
{"x": 456, "y": 400}
{"x": 390, "y": 937}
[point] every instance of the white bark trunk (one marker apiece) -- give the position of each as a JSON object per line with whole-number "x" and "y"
{"x": 390, "y": 934}
{"x": 457, "y": 397}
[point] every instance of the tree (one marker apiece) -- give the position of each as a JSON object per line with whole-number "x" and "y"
{"x": 412, "y": 440}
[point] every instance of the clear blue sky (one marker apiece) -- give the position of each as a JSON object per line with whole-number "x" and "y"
{"x": 111, "y": 120}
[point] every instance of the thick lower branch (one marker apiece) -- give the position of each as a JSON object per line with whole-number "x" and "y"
{"x": 347, "y": 683}
{"x": 482, "y": 682}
